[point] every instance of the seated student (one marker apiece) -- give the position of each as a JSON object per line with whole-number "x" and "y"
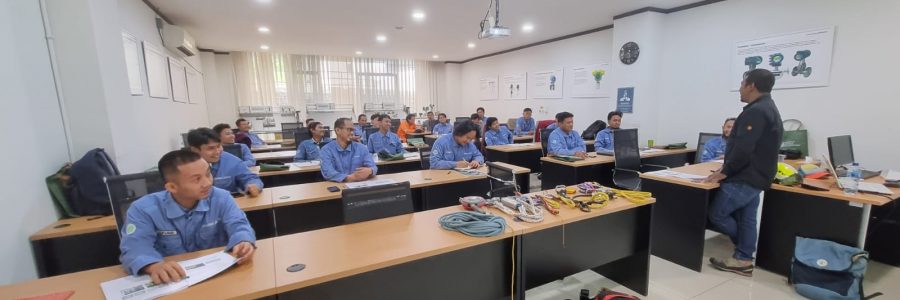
{"x": 229, "y": 172}
{"x": 525, "y": 123}
{"x": 564, "y": 140}
{"x": 244, "y": 129}
{"x": 478, "y": 120}
{"x": 227, "y": 136}
{"x": 457, "y": 150}
{"x": 443, "y": 126}
{"x": 496, "y": 134}
{"x": 308, "y": 150}
{"x": 407, "y": 126}
{"x": 309, "y": 120}
{"x": 604, "y": 141}
{"x": 190, "y": 215}
{"x": 480, "y": 112}
{"x": 344, "y": 160}
{"x": 359, "y": 131}
{"x": 384, "y": 139}
{"x": 430, "y": 121}
{"x": 715, "y": 148}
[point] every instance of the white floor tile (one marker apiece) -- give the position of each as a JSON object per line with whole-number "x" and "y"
{"x": 882, "y": 278}
{"x": 684, "y": 282}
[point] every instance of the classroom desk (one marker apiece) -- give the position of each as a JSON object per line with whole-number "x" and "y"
{"x": 521, "y": 139}
{"x": 270, "y": 148}
{"x": 308, "y": 174}
{"x": 288, "y": 155}
{"x": 599, "y": 168}
{"x": 525, "y": 154}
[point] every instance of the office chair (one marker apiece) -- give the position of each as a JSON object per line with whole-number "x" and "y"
{"x": 628, "y": 168}
{"x": 701, "y": 142}
{"x": 289, "y": 129}
{"x": 541, "y": 125}
{"x": 545, "y": 134}
{"x": 369, "y": 131}
{"x": 461, "y": 119}
{"x": 301, "y": 135}
{"x": 233, "y": 149}
{"x": 376, "y": 202}
{"x": 395, "y": 124}
{"x": 425, "y": 158}
{"x": 125, "y": 189}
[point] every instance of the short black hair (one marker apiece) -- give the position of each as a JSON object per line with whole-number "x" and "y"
{"x": 479, "y": 109}
{"x": 413, "y": 116}
{"x": 168, "y": 164}
{"x": 312, "y": 125}
{"x": 527, "y": 109}
{"x": 309, "y": 120}
{"x": 339, "y": 123}
{"x": 221, "y": 126}
{"x": 729, "y": 120}
{"x": 560, "y": 117}
{"x": 474, "y": 117}
{"x": 239, "y": 121}
{"x": 382, "y": 116}
{"x": 613, "y": 113}
{"x": 374, "y": 116}
{"x": 360, "y": 116}
{"x": 464, "y": 127}
{"x": 429, "y": 113}
{"x": 762, "y": 79}
{"x": 202, "y": 136}
{"x": 442, "y": 114}
{"x": 490, "y": 120}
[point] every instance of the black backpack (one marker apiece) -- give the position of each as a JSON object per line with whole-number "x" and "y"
{"x": 591, "y": 132}
{"x": 88, "y": 195}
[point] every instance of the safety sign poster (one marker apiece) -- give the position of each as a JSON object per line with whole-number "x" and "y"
{"x": 799, "y": 59}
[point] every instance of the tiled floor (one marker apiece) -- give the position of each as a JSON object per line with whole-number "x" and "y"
{"x": 669, "y": 281}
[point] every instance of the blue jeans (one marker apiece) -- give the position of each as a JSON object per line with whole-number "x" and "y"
{"x": 733, "y": 212}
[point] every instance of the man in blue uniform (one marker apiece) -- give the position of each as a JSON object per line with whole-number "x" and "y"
{"x": 344, "y": 160}
{"x": 715, "y": 148}
{"x": 525, "y": 123}
{"x": 227, "y": 137}
{"x": 308, "y": 150}
{"x": 359, "y": 132}
{"x": 443, "y": 126}
{"x": 496, "y": 134}
{"x": 604, "y": 140}
{"x": 564, "y": 140}
{"x": 229, "y": 172}
{"x": 190, "y": 215}
{"x": 457, "y": 150}
{"x": 244, "y": 127}
{"x": 384, "y": 139}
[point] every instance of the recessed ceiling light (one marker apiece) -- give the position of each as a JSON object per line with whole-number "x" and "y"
{"x": 435, "y": 56}
{"x": 263, "y": 29}
{"x": 264, "y": 1}
{"x": 264, "y": 47}
{"x": 381, "y": 38}
{"x": 471, "y": 45}
{"x": 418, "y": 15}
{"x": 358, "y": 52}
{"x": 527, "y": 27}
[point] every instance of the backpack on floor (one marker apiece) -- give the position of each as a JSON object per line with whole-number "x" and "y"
{"x": 607, "y": 294}
{"x": 88, "y": 195}
{"x": 825, "y": 270}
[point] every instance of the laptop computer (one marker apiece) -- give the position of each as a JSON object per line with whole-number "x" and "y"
{"x": 867, "y": 187}
{"x": 840, "y": 151}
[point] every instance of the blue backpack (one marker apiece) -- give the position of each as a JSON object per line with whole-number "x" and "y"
{"x": 825, "y": 270}
{"x": 88, "y": 195}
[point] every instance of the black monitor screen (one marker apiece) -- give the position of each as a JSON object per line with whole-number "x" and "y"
{"x": 498, "y": 188}
{"x": 376, "y": 202}
{"x": 841, "y": 150}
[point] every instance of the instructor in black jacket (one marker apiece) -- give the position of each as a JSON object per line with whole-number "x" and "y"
{"x": 751, "y": 160}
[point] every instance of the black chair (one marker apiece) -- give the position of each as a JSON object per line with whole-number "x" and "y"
{"x": 301, "y": 135}
{"x": 376, "y": 202}
{"x": 425, "y": 159}
{"x": 289, "y": 129}
{"x": 461, "y": 119}
{"x": 627, "y": 172}
{"x": 395, "y": 124}
{"x": 369, "y": 131}
{"x": 701, "y": 142}
{"x": 545, "y": 134}
{"x": 233, "y": 149}
{"x": 125, "y": 189}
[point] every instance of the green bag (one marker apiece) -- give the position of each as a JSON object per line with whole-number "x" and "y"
{"x": 384, "y": 156}
{"x": 567, "y": 158}
{"x": 676, "y": 146}
{"x": 795, "y": 137}
{"x": 59, "y": 186}
{"x": 272, "y": 167}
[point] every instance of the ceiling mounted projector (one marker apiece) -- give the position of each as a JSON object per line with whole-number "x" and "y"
{"x": 490, "y": 26}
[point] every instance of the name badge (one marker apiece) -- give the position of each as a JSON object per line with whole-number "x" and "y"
{"x": 167, "y": 232}
{"x": 213, "y": 223}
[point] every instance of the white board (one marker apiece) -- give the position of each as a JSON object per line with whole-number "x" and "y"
{"x": 196, "y": 90}
{"x": 806, "y": 58}
{"x": 487, "y": 88}
{"x": 546, "y": 84}
{"x": 588, "y": 81}
{"x": 157, "y": 71}
{"x": 133, "y": 64}
{"x": 179, "y": 81}
{"x": 513, "y": 86}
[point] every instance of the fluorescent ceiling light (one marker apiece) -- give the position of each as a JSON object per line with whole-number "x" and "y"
{"x": 358, "y": 52}
{"x": 527, "y": 27}
{"x": 471, "y": 45}
{"x": 418, "y": 15}
{"x": 381, "y": 38}
{"x": 263, "y": 29}
{"x": 264, "y": 47}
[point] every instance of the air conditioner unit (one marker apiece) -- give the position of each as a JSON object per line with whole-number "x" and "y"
{"x": 179, "y": 40}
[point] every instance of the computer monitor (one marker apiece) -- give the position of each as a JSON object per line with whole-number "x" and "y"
{"x": 840, "y": 150}
{"x": 234, "y": 149}
{"x": 376, "y": 202}
{"x": 503, "y": 180}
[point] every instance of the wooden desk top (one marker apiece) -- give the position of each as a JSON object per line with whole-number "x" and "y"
{"x": 263, "y": 201}
{"x": 702, "y": 169}
{"x": 249, "y": 281}
{"x": 294, "y": 169}
{"x": 607, "y": 159}
{"x": 269, "y": 148}
{"x": 516, "y": 147}
{"x": 523, "y": 138}
{"x": 275, "y": 155}
{"x": 567, "y": 215}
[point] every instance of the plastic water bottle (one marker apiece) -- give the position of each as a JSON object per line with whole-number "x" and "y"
{"x": 851, "y": 182}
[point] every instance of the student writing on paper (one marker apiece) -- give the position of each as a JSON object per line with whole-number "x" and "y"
{"x": 604, "y": 141}
{"x": 190, "y": 215}
{"x": 564, "y": 140}
{"x": 457, "y": 150}
{"x": 715, "y": 148}
{"x": 229, "y": 172}
{"x": 443, "y": 126}
{"x": 525, "y": 123}
{"x": 227, "y": 137}
{"x": 384, "y": 139}
{"x": 308, "y": 150}
{"x": 344, "y": 160}
{"x": 496, "y": 134}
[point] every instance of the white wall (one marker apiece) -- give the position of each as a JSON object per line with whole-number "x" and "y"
{"x": 587, "y": 49}
{"x": 36, "y": 146}
{"x": 218, "y": 78}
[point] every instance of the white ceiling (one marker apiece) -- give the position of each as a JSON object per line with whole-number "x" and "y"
{"x": 342, "y": 27}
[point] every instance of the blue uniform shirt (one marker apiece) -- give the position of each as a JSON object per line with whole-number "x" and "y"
{"x": 255, "y": 140}
{"x": 604, "y": 140}
{"x": 713, "y": 149}
{"x": 232, "y": 175}
{"x": 499, "y": 137}
{"x": 524, "y": 126}
{"x": 552, "y": 126}
{"x": 442, "y": 128}
{"x": 247, "y": 155}
{"x": 360, "y": 132}
{"x": 156, "y": 226}
{"x": 309, "y": 150}
{"x": 446, "y": 152}
{"x": 561, "y": 143}
{"x": 337, "y": 163}
{"x": 390, "y": 142}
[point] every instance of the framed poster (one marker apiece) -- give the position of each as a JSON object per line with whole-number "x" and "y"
{"x": 179, "y": 81}
{"x": 799, "y": 59}
{"x": 133, "y": 64}
{"x": 546, "y": 84}
{"x": 157, "y": 72}
{"x": 487, "y": 88}
{"x": 588, "y": 81}
{"x": 513, "y": 86}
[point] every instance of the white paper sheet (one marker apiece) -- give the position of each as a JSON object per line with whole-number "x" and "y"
{"x": 411, "y": 155}
{"x": 306, "y": 163}
{"x": 368, "y": 183}
{"x": 891, "y": 175}
{"x": 142, "y": 287}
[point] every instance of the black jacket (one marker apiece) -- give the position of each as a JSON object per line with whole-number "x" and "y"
{"x": 751, "y": 154}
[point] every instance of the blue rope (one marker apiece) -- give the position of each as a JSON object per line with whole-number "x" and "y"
{"x": 473, "y": 223}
